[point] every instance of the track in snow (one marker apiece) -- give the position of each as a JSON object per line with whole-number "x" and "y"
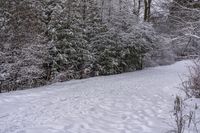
{"x": 137, "y": 102}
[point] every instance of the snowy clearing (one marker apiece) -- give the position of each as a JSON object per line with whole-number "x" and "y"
{"x": 137, "y": 102}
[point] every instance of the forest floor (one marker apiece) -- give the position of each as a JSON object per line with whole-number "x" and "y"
{"x": 136, "y": 102}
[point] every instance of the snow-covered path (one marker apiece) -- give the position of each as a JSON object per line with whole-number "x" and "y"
{"x": 137, "y": 102}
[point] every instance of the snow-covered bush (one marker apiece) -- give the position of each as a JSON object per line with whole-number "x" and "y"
{"x": 122, "y": 51}
{"x": 185, "y": 116}
{"x": 192, "y": 86}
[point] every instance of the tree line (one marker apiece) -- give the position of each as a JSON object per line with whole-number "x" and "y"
{"x": 49, "y": 41}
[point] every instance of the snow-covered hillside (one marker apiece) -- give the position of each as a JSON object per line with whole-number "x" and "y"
{"x": 137, "y": 102}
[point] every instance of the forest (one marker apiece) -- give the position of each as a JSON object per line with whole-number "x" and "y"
{"x": 43, "y": 42}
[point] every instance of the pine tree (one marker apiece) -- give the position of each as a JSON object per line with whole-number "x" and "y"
{"x": 71, "y": 43}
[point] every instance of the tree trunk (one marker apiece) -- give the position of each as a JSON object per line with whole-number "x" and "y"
{"x": 69, "y": 12}
{"x": 120, "y": 5}
{"x": 102, "y": 7}
{"x": 139, "y": 7}
{"x": 84, "y": 9}
{"x": 149, "y": 10}
{"x": 145, "y": 10}
{"x": 109, "y": 10}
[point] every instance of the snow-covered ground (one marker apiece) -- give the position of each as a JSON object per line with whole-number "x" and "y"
{"x": 137, "y": 102}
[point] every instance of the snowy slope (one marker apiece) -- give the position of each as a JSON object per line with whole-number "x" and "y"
{"x": 137, "y": 102}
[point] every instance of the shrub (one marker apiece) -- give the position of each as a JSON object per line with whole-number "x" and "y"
{"x": 192, "y": 86}
{"x": 185, "y": 116}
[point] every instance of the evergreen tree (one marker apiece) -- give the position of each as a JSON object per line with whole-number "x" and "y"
{"x": 71, "y": 49}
